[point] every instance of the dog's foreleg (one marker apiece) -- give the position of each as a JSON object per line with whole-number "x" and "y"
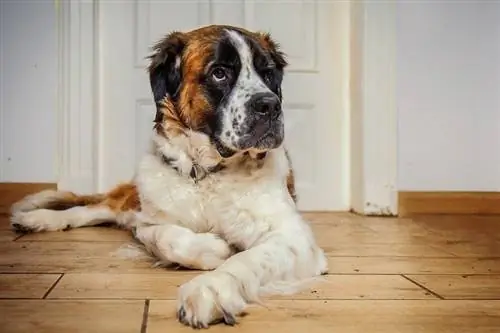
{"x": 174, "y": 244}
{"x": 286, "y": 258}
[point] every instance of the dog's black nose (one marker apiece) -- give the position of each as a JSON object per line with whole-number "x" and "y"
{"x": 265, "y": 104}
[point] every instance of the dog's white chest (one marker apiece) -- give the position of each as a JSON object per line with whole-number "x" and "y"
{"x": 234, "y": 205}
{"x": 162, "y": 190}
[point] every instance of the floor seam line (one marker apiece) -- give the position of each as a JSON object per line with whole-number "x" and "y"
{"x": 145, "y": 315}
{"x": 423, "y": 287}
{"x": 52, "y": 286}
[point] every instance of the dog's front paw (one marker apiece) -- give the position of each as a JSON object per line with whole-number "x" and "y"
{"x": 210, "y": 298}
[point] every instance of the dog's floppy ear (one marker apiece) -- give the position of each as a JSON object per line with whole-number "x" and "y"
{"x": 165, "y": 73}
{"x": 273, "y": 47}
{"x": 276, "y": 54}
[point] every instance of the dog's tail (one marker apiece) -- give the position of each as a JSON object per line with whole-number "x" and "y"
{"x": 55, "y": 200}
{"x": 60, "y": 210}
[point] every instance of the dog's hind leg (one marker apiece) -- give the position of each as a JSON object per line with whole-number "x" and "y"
{"x": 174, "y": 244}
{"x": 53, "y": 220}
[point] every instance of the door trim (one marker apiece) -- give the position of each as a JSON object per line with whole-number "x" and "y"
{"x": 78, "y": 88}
{"x": 371, "y": 103}
{"x": 373, "y": 111}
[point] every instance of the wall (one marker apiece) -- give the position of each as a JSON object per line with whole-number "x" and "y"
{"x": 28, "y": 114}
{"x": 448, "y": 94}
{"x": 448, "y": 98}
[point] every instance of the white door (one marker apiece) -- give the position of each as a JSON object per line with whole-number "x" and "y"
{"x": 314, "y": 131}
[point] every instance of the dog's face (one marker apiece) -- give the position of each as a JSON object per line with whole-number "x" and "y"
{"x": 223, "y": 81}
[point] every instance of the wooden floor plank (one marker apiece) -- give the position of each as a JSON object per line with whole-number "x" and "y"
{"x": 165, "y": 286}
{"x": 413, "y": 265}
{"x": 374, "y": 237}
{"x": 461, "y": 286}
{"x": 112, "y": 286}
{"x": 7, "y": 235}
{"x": 473, "y": 248}
{"x": 384, "y": 249}
{"x": 26, "y": 285}
{"x": 62, "y": 257}
{"x": 459, "y": 228}
{"x": 42, "y": 316}
{"x": 349, "y": 316}
{"x": 5, "y": 222}
{"x": 361, "y": 287}
{"x": 364, "y": 292}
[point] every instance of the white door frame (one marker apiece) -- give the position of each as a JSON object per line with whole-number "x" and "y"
{"x": 369, "y": 38}
{"x": 78, "y": 94}
{"x": 373, "y": 107}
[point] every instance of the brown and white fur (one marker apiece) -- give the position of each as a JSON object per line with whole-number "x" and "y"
{"x": 215, "y": 192}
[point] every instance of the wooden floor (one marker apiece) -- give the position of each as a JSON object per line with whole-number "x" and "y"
{"x": 428, "y": 274}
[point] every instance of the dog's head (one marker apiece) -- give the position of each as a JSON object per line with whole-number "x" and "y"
{"x": 222, "y": 81}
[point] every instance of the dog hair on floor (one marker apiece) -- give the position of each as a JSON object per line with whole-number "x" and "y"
{"x": 215, "y": 191}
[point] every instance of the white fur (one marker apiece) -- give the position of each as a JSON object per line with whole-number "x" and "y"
{"x": 252, "y": 210}
{"x": 184, "y": 149}
{"x": 247, "y": 84}
{"x": 172, "y": 243}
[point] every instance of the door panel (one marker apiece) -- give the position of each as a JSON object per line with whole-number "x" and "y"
{"x": 303, "y": 29}
{"x": 295, "y": 30}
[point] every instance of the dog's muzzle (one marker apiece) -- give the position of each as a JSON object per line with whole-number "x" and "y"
{"x": 264, "y": 128}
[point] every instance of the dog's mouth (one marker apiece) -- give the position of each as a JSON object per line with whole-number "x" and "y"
{"x": 264, "y": 136}
{"x": 258, "y": 133}
{"x": 264, "y": 139}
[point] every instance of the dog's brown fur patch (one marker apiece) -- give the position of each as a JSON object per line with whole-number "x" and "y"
{"x": 124, "y": 197}
{"x": 290, "y": 184}
{"x": 170, "y": 124}
{"x": 69, "y": 200}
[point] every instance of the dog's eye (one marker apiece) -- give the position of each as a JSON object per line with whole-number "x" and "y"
{"x": 219, "y": 74}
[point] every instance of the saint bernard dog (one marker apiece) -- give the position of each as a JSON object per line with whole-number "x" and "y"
{"x": 215, "y": 191}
